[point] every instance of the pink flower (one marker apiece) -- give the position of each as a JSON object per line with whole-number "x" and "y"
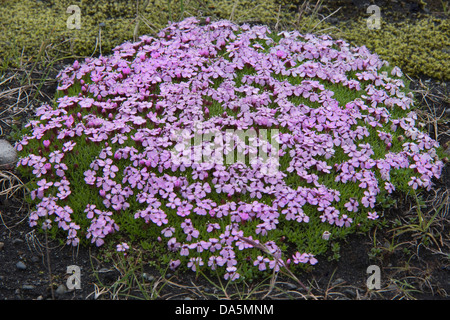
{"x": 56, "y": 156}
{"x": 261, "y": 263}
{"x": 184, "y": 209}
{"x": 344, "y": 221}
{"x": 173, "y": 245}
{"x": 173, "y": 264}
{"x": 168, "y": 232}
{"x": 415, "y": 182}
{"x": 231, "y": 274}
{"x": 126, "y": 71}
{"x": 326, "y": 235}
{"x": 184, "y": 250}
{"x": 281, "y": 54}
{"x": 304, "y": 258}
{"x": 122, "y": 247}
{"x": 372, "y": 215}
{"x": 194, "y": 263}
{"x": 389, "y": 187}
{"x": 352, "y": 205}
{"x": 212, "y": 262}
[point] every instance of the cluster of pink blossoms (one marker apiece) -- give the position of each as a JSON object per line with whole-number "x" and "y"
{"x": 131, "y": 103}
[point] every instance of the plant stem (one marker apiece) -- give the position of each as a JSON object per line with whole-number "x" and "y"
{"x": 49, "y": 265}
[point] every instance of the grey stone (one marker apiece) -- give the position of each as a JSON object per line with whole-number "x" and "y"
{"x": 291, "y": 286}
{"x": 20, "y": 265}
{"x": 62, "y": 289}
{"x": 28, "y": 287}
{"x": 148, "y": 277}
{"x": 8, "y": 155}
{"x": 17, "y": 241}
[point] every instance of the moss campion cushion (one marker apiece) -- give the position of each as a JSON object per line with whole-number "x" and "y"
{"x": 134, "y": 150}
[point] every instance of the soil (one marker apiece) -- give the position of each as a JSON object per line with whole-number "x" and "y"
{"x": 33, "y": 267}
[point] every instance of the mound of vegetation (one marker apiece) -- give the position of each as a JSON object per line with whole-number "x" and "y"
{"x": 224, "y": 147}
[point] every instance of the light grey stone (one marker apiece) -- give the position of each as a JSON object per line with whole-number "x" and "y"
{"x": 8, "y": 155}
{"x": 28, "y": 287}
{"x": 148, "y": 277}
{"x": 20, "y": 265}
{"x": 62, "y": 289}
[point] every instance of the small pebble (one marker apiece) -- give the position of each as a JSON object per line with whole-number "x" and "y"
{"x": 17, "y": 241}
{"x": 61, "y": 290}
{"x": 27, "y": 287}
{"x": 20, "y": 265}
{"x": 291, "y": 286}
{"x": 148, "y": 277}
{"x": 2, "y": 245}
{"x": 8, "y": 155}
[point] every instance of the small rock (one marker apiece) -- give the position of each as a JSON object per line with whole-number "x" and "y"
{"x": 291, "y": 286}
{"x": 20, "y": 265}
{"x": 62, "y": 289}
{"x": 28, "y": 287}
{"x": 1, "y": 246}
{"x": 148, "y": 277}
{"x": 17, "y": 241}
{"x": 8, "y": 155}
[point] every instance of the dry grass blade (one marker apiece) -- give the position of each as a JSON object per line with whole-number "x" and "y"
{"x": 10, "y": 184}
{"x": 323, "y": 19}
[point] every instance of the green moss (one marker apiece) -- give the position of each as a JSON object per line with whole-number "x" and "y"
{"x": 27, "y": 25}
{"x": 419, "y": 48}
